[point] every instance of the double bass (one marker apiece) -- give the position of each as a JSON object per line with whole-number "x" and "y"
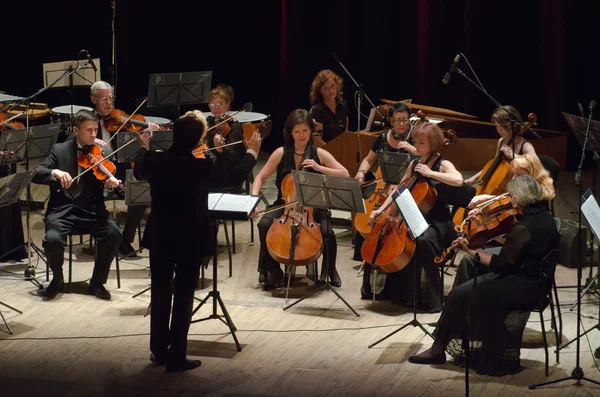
{"x": 496, "y": 173}
{"x": 388, "y": 246}
{"x": 294, "y": 238}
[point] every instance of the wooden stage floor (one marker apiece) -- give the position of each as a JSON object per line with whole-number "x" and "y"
{"x": 77, "y": 345}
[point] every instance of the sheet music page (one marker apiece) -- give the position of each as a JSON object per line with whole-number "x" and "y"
{"x": 236, "y": 203}
{"x": 410, "y": 211}
{"x": 213, "y": 198}
{"x": 591, "y": 211}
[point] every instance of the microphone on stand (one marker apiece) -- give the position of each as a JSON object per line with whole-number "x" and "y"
{"x": 91, "y": 61}
{"x": 448, "y": 74}
{"x": 591, "y": 107}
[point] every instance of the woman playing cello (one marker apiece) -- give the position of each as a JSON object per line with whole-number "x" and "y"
{"x": 428, "y": 139}
{"x": 298, "y": 153}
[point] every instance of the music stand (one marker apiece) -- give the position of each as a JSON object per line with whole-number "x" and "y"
{"x": 178, "y": 88}
{"x": 225, "y": 207}
{"x": 327, "y": 192}
{"x": 129, "y": 152}
{"x": 41, "y": 140}
{"x": 137, "y": 192}
{"x": 416, "y": 225}
{"x": 10, "y": 193}
{"x": 161, "y": 140}
{"x": 393, "y": 165}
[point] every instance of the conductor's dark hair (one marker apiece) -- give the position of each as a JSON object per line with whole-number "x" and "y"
{"x": 187, "y": 132}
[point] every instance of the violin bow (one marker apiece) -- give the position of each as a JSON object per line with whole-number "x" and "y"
{"x": 216, "y": 147}
{"x": 226, "y": 120}
{"x": 8, "y": 120}
{"x": 127, "y": 121}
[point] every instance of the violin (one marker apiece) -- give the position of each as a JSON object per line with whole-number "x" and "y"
{"x": 118, "y": 121}
{"x": 496, "y": 173}
{"x": 222, "y": 126}
{"x": 294, "y": 238}
{"x": 484, "y": 227}
{"x": 91, "y": 156}
{"x": 200, "y": 151}
{"x": 388, "y": 247}
{"x": 6, "y": 122}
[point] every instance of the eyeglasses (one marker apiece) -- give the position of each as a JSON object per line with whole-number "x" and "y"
{"x": 108, "y": 98}
{"x": 400, "y": 121}
{"x": 216, "y": 104}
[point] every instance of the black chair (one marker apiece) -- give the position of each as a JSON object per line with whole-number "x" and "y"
{"x": 547, "y": 269}
{"x": 553, "y": 169}
{"x": 70, "y": 247}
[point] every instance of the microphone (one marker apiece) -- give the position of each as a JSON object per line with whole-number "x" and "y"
{"x": 446, "y": 78}
{"x": 335, "y": 56}
{"x": 591, "y": 106}
{"x": 580, "y": 108}
{"x": 91, "y": 61}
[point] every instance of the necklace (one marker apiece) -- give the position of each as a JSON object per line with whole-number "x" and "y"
{"x": 298, "y": 154}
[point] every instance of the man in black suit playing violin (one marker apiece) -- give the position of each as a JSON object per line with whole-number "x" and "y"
{"x": 77, "y": 204}
{"x": 179, "y": 233}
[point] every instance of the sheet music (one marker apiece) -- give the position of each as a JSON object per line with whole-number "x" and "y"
{"x": 410, "y": 211}
{"x": 232, "y": 202}
{"x": 591, "y": 211}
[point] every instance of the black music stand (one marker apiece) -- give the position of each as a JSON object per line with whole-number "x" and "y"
{"x": 416, "y": 226}
{"x": 178, "y": 88}
{"x": 327, "y": 192}
{"x": 10, "y": 193}
{"x": 225, "y": 207}
{"x": 129, "y": 152}
{"x": 161, "y": 140}
{"x": 41, "y": 139}
{"x": 393, "y": 165}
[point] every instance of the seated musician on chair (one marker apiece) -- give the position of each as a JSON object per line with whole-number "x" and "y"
{"x": 507, "y": 129}
{"x": 227, "y": 158}
{"x": 512, "y": 284}
{"x": 297, "y": 153}
{"x": 428, "y": 139}
{"x": 329, "y": 109}
{"x": 179, "y": 234}
{"x": 527, "y": 164}
{"x": 101, "y": 95}
{"x": 78, "y": 205}
{"x": 392, "y": 140}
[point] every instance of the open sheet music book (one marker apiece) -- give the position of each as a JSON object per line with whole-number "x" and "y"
{"x": 591, "y": 211}
{"x": 231, "y": 206}
{"x": 410, "y": 212}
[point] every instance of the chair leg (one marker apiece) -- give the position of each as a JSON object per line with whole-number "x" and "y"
{"x": 228, "y": 249}
{"x": 555, "y": 329}
{"x": 559, "y": 337}
{"x": 233, "y": 236}
{"x": 545, "y": 340}
{"x": 70, "y": 263}
{"x": 118, "y": 270}
{"x": 252, "y": 230}
{"x": 139, "y": 230}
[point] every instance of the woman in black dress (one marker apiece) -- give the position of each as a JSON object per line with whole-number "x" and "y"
{"x": 297, "y": 153}
{"x": 329, "y": 109}
{"x": 512, "y": 284}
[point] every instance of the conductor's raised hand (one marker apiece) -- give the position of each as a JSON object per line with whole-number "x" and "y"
{"x": 63, "y": 177}
{"x": 254, "y": 142}
{"x": 144, "y": 139}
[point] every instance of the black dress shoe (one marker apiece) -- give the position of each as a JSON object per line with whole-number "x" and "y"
{"x": 99, "y": 291}
{"x": 184, "y": 365}
{"x": 597, "y": 353}
{"x": 55, "y": 286}
{"x": 126, "y": 250}
{"x": 273, "y": 280}
{"x": 157, "y": 361}
{"x": 334, "y": 278}
{"x": 427, "y": 358}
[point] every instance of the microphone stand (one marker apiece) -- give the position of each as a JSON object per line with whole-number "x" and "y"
{"x": 29, "y": 273}
{"x": 360, "y": 92}
{"x": 577, "y": 373}
{"x": 513, "y": 117}
{"x": 113, "y": 67}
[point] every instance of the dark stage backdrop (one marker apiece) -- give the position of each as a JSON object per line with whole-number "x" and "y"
{"x": 539, "y": 56}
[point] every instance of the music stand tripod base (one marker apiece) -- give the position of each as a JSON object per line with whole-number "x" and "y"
{"x": 216, "y": 296}
{"x": 4, "y": 320}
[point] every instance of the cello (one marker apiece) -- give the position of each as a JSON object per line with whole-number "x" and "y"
{"x": 388, "y": 246}
{"x": 382, "y": 190}
{"x": 294, "y": 238}
{"x": 496, "y": 172}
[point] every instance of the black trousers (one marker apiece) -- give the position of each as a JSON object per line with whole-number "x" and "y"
{"x": 135, "y": 213}
{"x": 267, "y": 264}
{"x": 174, "y": 274}
{"x": 101, "y": 227}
